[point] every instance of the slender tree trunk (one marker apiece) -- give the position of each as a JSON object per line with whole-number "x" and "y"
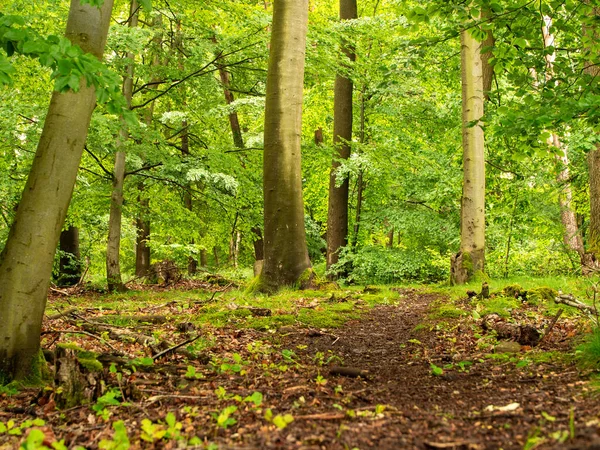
{"x": 142, "y": 225}
{"x": 390, "y": 239}
{"x": 360, "y": 181}
{"x": 27, "y": 258}
{"x": 337, "y": 213}
{"x": 286, "y": 253}
{"x": 113, "y": 248}
{"x": 471, "y": 257}
{"x": 216, "y": 255}
{"x": 70, "y": 258}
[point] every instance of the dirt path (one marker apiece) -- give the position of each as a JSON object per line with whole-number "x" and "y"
{"x": 462, "y": 408}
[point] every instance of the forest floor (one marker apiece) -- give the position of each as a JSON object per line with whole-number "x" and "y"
{"x": 429, "y": 376}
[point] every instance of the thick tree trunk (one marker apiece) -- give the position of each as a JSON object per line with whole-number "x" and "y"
{"x": 113, "y": 248}
{"x": 286, "y": 253}
{"x": 337, "y": 212}
{"x": 591, "y": 259}
{"x": 471, "y": 257}
{"x": 70, "y": 258}
{"x": 27, "y": 258}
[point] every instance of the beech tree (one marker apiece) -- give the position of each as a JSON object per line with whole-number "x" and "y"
{"x": 26, "y": 261}
{"x": 286, "y": 253}
{"x": 471, "y": 256}
{"x": 337, "y": 215}
{"x": 113, "y": 266}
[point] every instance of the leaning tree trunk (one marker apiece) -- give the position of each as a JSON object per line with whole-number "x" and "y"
{"x": 26, "y": 261}
{"x": 286, "y": 253}
{"x": 70, "y": 259}
{"x": 471, "y": 257}
{"x": 113, "y": 248}
{"x": 337, "y": 212}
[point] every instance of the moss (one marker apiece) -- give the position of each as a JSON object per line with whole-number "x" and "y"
{"x": 307, "y": 280}
{"x": 544, "y": 294}
{"x": 93, "y": 365}
{"x": 447, "y": 311}
{"x": 513, "y": 290}
{"x": 501, "y": 306}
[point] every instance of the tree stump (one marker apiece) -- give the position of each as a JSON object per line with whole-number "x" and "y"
{"x": 77, "y": 377}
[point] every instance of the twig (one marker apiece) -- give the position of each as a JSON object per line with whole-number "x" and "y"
{"x": 156, "y": 398}
{"x": 570, "y": 300}
{"x": 551, "y": 325}
{"x": 175, "y": 347}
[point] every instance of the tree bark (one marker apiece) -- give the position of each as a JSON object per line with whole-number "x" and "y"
{"x": 70, "y": 258}
{"x": 591, "y": 258}
{"x": 142, "y": 225}
{"x": 286, "y": 253}
{"x": 360, "y": 181}
{"x": 27, "y": 258}
{"x": 337, "y": 213}
{"x": 471, "y": 258}
{"x": 113, "y": 248}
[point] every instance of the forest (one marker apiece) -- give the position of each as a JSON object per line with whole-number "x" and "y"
{"x": 299, "y": 224}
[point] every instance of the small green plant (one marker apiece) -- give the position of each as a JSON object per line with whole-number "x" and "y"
{"x": 120, "y": 440}
{"x": 280, "y": 421}
{"x": 233, "y": 365}
{"x": 224, "y": 419}
{"x": 156, "y": 431}
{"x": 256, "y": 398}
{"x": 111, "y": 398}
{"x": 320, "y": 380}
{"x": 192, "y": 374}
{"x": 435, "y": 370}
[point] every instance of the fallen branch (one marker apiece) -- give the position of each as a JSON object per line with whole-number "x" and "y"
{"x": 85, "y": 333}
{"x": 570, "y": 300}
{"x": 175, "y": 347}
{"x": 61, "y": 314}
{"x": 324, "y": 416}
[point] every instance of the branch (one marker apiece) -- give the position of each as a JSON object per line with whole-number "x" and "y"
{"x": 104, "y": 169}
{"x": 244, "y": 149}
{"x": 142, "y": 169}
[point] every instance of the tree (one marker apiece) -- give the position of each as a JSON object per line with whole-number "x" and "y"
{"x": 113, "y": 266}
{"x": 286, "y": 253}
{"x": 337, "y": 215}
{"x": 471, "y": 256}
{"x": 26, "y": 261}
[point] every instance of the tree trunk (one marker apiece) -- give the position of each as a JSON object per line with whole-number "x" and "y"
{"x": 337, "y": 212}
{"x": 70, "y": 258}
{"x": 142, "y": 225}
{"x": 360, "y": 181}
{"x": 113, "y": 248}
{"x": 571, "y": 236}
{"x": 591, "y": 258}
{"x": 27, "y": 258}
{"x": 487, "y": 69}
{"x": 471, "y": 258}
{"x": 286, "y": 253}
{"x": 234, "y": 121}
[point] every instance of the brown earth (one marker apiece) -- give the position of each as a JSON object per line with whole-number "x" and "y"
{"x": 474, "y": 402}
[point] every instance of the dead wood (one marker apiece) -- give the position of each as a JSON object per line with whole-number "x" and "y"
{"x": 174, "y": 347}
{"x": 523, "y": 334}
{"x": 61, "y": 314}
{"x": 147, "y": 318}
{"x": 348, "y": 372}
{"x": 78, "y": 383}
{"x": 570, "y": 300}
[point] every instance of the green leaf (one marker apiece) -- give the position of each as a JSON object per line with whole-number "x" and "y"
{"x": 435, "y": 370}
{"x": 282, "y": 421}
